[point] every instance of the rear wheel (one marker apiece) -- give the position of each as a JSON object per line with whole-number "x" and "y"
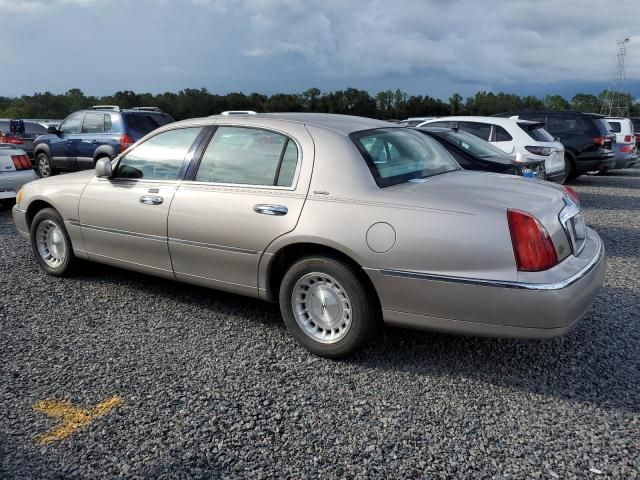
{"x": 327, "y": 308}
{"x": 44, "y": 166}
{"x": 51, "y": 244}
{"x": 569, "y": 169}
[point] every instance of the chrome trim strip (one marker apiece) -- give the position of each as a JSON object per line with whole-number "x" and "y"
{"x": 157, "y": 238}
{"x": 501, "y": 283}
{"x": 191, "y": 243}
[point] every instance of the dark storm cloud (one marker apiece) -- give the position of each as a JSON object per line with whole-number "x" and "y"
{"x": 286, "y": 45}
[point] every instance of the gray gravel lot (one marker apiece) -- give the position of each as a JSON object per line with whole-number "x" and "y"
{"x": 215, "y": 388}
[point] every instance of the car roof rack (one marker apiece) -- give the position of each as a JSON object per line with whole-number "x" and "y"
{"x": 147, "y": 109}
{"x": 115, "y": 108}
{"x": 239, "y": 112}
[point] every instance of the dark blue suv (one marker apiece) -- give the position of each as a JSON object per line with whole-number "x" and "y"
{"x": 85, "y": 136}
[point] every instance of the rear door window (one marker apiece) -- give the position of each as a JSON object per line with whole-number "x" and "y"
{"x": 93, "y": 123}
{"x": 480, "y": 130}
{"x": 249, "y": 156}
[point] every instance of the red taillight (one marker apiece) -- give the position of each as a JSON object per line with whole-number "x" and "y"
{"x": 573, "y": 195}
{"x": 627, "y": 138}
{"x": 125, "y": 142}
{"x": 16, "y": 161}
{"x": 532, "y": 245}
{"x": 599, "y": 141}
{"x": 14, "y": 141}
{"x": 626, "y": 149}
{"x": 25, "y": 162}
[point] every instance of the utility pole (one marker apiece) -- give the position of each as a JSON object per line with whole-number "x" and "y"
{"x": 616, "y": 100}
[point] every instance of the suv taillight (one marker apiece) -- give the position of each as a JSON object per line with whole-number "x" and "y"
{"x": 599, "y": 141}
{"x": 125, "y": 142}
{"x": 13, "y": 141}
{"x": 532, "y": 245}
{"x": 627, "y": 138}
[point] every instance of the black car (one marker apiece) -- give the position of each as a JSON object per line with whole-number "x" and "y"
{"x": 473, "y": 153}
{"x": 23, "y": 136}
{"x": 586, "y": 138}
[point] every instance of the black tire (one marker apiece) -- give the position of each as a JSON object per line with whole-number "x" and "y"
{"x": 364, "y": 308}
{"x": 69, "y": 263}
{"x": 569, "y": 168}
{"x": 44, "y": 165}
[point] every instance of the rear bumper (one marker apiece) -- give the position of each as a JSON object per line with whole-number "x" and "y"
{"x": 626, "y": 161}
{"x": 591, "y": 165}
{"x": 523, "y": 309}
{"x": 11, "y": 182}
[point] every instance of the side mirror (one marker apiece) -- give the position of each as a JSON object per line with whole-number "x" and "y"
{"x": 103, "y": 168}
{"x": 53, "y": 130}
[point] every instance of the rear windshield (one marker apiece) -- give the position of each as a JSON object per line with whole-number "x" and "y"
{"x": 636, "y": 124}
{"x": 142, "y": 123}
{"x": 602, "y": 125}
{"x": 537, "y": 132}
{"x": 397, "y": 155}
{"x": 472, "y": 144}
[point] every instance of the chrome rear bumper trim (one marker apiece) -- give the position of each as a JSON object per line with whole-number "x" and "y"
{"x": 500, "y": 283}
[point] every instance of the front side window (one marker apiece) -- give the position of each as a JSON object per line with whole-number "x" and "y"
{"x": 397, "y": 155}
{"x": 72, "y": 124}
{"x": 93, "y": 123}
{"x": 480, "y": 130}
{"x": 159, "y": 158}
{"x": 249, "y": 156}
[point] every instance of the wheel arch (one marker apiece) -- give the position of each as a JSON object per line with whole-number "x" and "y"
{"x": 103, "y": 151}
{"x": 34, "y": 207}
{"x": 41, "y": 148}
{"x": 287, "y": 255}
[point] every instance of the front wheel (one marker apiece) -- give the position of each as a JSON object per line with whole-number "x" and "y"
{"x": 44, "y": 166}
{"x": 51, "y": 244}
{"x": 327, "y": 307}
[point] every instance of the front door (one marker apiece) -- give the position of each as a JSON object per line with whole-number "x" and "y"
{"x": 62, "y": 147}
{"x": 124, "y": 218}
{"x": 246, "y": 192}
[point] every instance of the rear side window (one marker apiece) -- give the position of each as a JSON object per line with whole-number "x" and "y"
{"x": 615, "y": 127}
{"x": 601, "y": 125}
{"x": 249, "y": 156}
{"x": 159, "y": 158}
{"x": 537, "y": 132}
{"x": 501, "y": 134}
{"x": 480, "y": 130}
{"x": 439, "y": 124}
{"x": 142, "y": 123}
{"x": 397, "y": 155}
{"x": 93, "y": 123}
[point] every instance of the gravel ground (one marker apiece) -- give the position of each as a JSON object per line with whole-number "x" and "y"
{"x": 214, "y": 388}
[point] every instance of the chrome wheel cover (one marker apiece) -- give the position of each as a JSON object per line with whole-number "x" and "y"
{"x": 51, "y": 244}
{"x": 43, "y": 167}
{"x": 321, "y": 307}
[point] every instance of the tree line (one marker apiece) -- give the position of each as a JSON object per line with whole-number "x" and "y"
{"x": 388, "y": 104}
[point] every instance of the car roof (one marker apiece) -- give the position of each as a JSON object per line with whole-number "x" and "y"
{"x": 549, "y": 112}
{"x": 502, "y": 121}
{"x": 344, "y": 124}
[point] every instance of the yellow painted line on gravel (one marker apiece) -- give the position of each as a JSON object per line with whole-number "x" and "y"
{"x": 72, "y": 417}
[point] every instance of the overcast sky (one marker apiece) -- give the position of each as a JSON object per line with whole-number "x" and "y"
{"x": 420, "y": 46}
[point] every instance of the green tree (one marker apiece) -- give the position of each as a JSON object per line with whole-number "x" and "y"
{"x": 455, "y": 104}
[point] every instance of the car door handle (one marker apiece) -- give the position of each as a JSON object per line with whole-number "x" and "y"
{"x": 151, "y": 199}
{"x": 270, "y": 209}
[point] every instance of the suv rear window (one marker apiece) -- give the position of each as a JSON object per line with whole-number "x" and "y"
{"x": 143, "y": 123}
{"x": 397, "y": 155}
{"x": 615, "y": 127}
{"x": 537, "y": 132}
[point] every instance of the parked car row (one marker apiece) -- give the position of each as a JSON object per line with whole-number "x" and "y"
{"x": 344, "y": 221}
{"x": 573, "y": 143}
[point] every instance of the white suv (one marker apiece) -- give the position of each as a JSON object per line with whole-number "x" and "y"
{"x": 625, "y": 147}
{"x": 520, "y": 138}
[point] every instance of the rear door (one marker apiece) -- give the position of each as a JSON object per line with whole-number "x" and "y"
{"x": 245, "y": 193}
{"x": 480, "y": 130}
{"x": 502, "y": 139}
{"x": 91, "y": 137}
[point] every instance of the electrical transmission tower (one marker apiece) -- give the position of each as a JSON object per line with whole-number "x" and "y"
{"x": 616, "y": 100}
